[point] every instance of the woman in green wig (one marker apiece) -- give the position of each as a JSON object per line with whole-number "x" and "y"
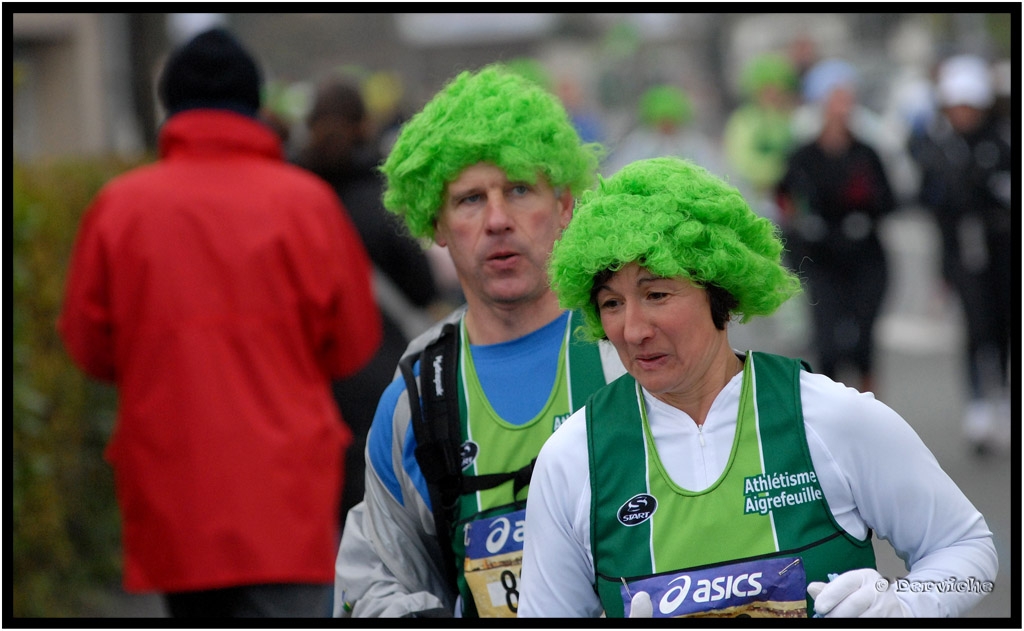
{"x": 713, "y": 482}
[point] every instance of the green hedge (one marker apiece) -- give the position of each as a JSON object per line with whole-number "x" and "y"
{"x": 66, "y": 548}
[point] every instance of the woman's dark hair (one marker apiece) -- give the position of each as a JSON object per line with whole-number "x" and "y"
{"x": 722, "y": 305}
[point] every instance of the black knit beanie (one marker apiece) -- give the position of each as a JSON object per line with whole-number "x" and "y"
{"x": 211, "y": 71}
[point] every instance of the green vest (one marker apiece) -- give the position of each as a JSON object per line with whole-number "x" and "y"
{"x": 488, "y": 537}
{"x": 746, "y": 545}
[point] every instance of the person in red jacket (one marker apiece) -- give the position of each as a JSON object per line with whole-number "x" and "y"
{"x": 221, "y": 289}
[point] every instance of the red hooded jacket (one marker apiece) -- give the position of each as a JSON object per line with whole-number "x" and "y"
{"x": 221, "y": 289}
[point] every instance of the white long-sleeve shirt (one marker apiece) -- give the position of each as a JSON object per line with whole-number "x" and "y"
{"x": 873, "y": 469}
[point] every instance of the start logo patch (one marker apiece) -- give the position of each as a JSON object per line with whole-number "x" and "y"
{"x": 637, "y": 509}
{"x": 467, "y": 453}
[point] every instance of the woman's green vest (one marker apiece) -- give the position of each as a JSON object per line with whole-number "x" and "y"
{"x": 765, "y": 510}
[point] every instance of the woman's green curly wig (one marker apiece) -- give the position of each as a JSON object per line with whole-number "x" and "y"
{"x": 768, "y": 69}
{"x": 677, "y": 220}
{"x": 496, "y": 116}
{"x": 665, "y": 103}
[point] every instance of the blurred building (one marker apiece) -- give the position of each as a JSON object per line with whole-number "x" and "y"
{"x": 83, "y": 82}
{"x": 72, "y": 82}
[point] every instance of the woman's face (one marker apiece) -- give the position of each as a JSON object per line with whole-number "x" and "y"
{"x": 662, "y": 330}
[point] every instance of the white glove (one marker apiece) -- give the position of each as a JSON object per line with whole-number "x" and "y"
{"x": 640, "y": 606}
{"x": 862, "y": 593}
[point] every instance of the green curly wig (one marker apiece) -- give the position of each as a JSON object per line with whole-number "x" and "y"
{"x": 768, "y": 69}
{"x": 665, "y": 103}
{"x": 496, "y": 116}
{"x": 677, "y": 220}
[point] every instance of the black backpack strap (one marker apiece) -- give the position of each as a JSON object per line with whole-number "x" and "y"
{"x": 520, "y": 478}
{"x": 438, "y": 431}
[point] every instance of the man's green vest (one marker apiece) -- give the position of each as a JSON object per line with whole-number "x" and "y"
{"x": 487, "y": 539}
{"x": 711, "y": 552}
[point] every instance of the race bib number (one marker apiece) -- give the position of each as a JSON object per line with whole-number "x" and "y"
{"x": 494, "y": 560}
{"x": 767, "y": 588}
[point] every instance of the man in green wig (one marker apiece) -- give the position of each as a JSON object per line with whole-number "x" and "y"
{"x": 489, "y": 170}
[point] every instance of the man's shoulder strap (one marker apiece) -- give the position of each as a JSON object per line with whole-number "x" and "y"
{"x": 437, "y": 428}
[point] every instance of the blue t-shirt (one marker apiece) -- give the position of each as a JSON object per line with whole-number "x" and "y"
{"x": 516, "y": 376}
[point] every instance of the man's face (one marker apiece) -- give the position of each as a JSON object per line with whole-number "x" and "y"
{"x": 964, "y": 118}
{"x": 499, "y": 233}
{"x": 839, "y": 104}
